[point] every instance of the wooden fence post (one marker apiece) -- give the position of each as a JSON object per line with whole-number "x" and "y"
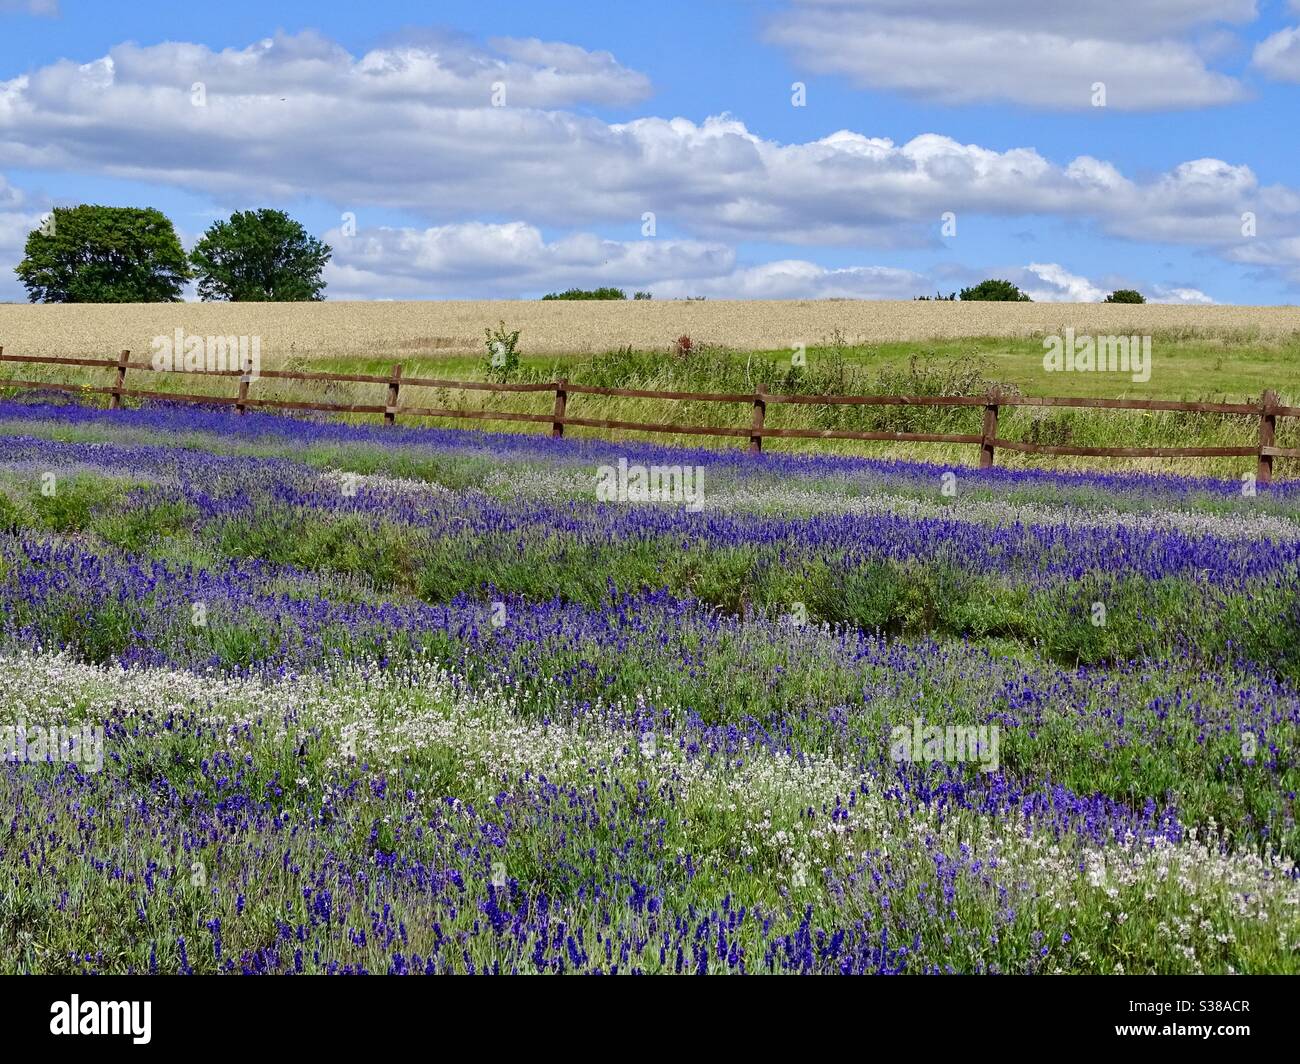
{"x": 1267, "y": 435}
{"x": 394, "y": 383}
{"x": 115, "y": 400}
{"x": 244, "y": 381}
{"x": 756, "y": 427}
{"x": 990, "y": 431}
{"x": 561, "y": 407}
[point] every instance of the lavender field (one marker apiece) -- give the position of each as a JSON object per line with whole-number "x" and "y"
{"x": 292, "y": 696}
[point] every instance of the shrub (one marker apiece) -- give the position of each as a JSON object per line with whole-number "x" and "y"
{"x": 994, "y": 291}
{"x": 1125, "y": 295}
{"x": 503, "y": 353}
{"x": 589, "y": 293}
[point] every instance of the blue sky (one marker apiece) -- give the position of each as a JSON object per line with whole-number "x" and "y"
{"x": 914, "y": 108}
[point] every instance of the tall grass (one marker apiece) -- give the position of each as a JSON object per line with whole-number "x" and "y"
{"x": 834, "y": 368}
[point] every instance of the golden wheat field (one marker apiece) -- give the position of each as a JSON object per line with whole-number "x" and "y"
{"x": 406, "y": 329}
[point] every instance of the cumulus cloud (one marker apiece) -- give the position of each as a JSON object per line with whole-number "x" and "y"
{"x": 1179, "y": 294}
{"x": 797, "y": 279}
{"x": 505, "y": 260}
{"x": 1020, "y": 51}
{"x": 1278, "y": 56}
{"x": 1284, "y": 251}
{"x": 434, "y": 70}
{"x": 1049, "y": 282}
{"x": 514, "y": 260}
{"x": 295, "y": 115}
{"x": 411, "y": 127}
{"x": 18, "y": 217}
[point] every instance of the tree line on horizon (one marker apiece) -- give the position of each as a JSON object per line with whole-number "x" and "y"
{"x": 992, "y": 290}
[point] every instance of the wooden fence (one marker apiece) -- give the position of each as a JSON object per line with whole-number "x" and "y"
{"x": 1267, "y": 410}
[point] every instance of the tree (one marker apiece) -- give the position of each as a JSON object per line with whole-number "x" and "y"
{"x": 587, "y": 293}
{"x": 1125, "y": 295}
{"x": 258, "y": 257}
{"x": 92, "y": 254}
{"x": 994, "y": 291}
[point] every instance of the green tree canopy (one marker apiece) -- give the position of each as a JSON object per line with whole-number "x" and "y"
{"x": 995, "y": 291}
{"x": 260, "y": 256}
{"x": 1125, "y": 295}
{"x": 589, "y": 293}
{"x": 92, "y": 254}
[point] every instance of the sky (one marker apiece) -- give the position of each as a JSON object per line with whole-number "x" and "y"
{"x": 776, "y": 149}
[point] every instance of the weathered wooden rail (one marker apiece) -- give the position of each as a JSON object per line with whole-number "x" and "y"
{"x": 1267, "y": 410}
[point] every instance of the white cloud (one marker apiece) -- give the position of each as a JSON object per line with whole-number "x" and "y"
{"x": 1278, "y": 255}
{"x": 431, "y": 71}
{"x": 1278, "y": 56}
{"x": 17, "y": 219}
{"x": 1027, "y": 52}
{"x": 514, "y": 260}
{"x": 1165, "y": 294}
{"x": 796, "y": 279}
{"x": 506, "y": 260}
{"x": 410, "y": 128}
{"x": 1284, "y": 251}
{"x": 1048, "y": 282}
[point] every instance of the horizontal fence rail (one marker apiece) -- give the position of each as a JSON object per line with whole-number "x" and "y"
{"x": 1268, "y": 409}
